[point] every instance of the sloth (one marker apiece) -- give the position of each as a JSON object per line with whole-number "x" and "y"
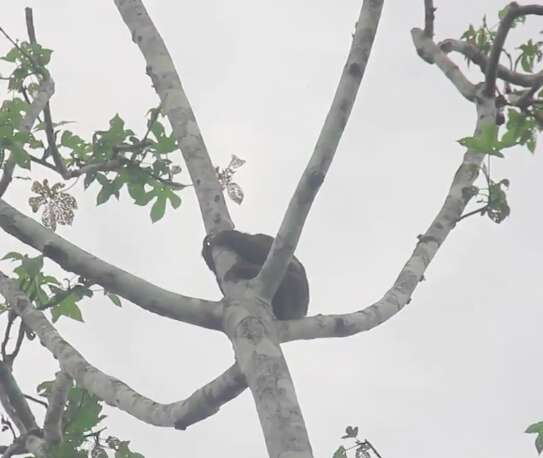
{"x": 291, "y": 300}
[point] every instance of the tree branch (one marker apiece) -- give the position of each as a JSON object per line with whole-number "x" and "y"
{"x": 412, "y": 273}
{"x": 429, "y": 17}
{"x": 285, "y": 242}
{"x": 48, "y": 120}
{"x": 203, "y": 403}
{"x": 475, "y": 55}
{"x": 207, "y": 314}
{"x": 431, "y": 53}
{"x": 52, "y": 425}
{"x": 177, "y": 107}
{"x": 513, "y": 12}
{"x": 14, "y": 402}
{"x": 45, "y": 91}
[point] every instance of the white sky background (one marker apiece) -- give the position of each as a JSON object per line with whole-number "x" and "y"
{"x": 457, "y": 373}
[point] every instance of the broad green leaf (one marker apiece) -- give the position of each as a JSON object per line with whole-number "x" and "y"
{"x": 174, "y": 199}
{"x": 67, "y": 307}
{"x": 485, "y": 142}
{"x": 158, "y": 209}
{"x": 32, "y": 266}
{"x": 105, "y": 193}
{"x": 21, "y": 157}
{"x": 536, "y": 428}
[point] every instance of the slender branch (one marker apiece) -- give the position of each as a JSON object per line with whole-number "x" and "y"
{"x": 431, "y": 53}
{"x": 7, "y": 174}
{"x": 7, "y": 333}
{"x": 49, "y": 126}
{"x": 17, "y": 448}
{"x": 429, "y": 17}
{"x": 20, "y": 337}
{"x": 177, "y": 108}
{"x": 52, "y": 425}
{"x": 475, "y": 55}
{"x": 207, "y": 314}
{"x": 513, "y": 12}
{"x": 45, "y": 91}
{"x": 283, "y": 247}
{"x": 526, "y": 99}
{"x": 413, "y": 271}
{"x": 474, "y": 212}
{"x": 13, "y": 401}
{"x": 201, "y": 404}
{"x": 36, "y": 400}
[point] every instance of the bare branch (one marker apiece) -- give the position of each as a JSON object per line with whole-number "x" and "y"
{"x": 513, "y": 12}
{"x": 36, "y": 445}
{"x": 432, "y": 54}
{"x": 52, "y": 425}
{"x": 49, "y": 127}
{"x": 475, "y": 55}
{"x": 285, "y": 243}
{"x": 412, "y": 273}
{"x": 177, "y": 107}
{"x": 207, "y": 314}
{"x": 201, "y": 404}
{"x": 429, "y": 17}
{"x": 527, "y": 98}
{"x": 13, "y": 401}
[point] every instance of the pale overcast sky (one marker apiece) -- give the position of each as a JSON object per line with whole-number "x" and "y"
{"x": 457, "y": 373}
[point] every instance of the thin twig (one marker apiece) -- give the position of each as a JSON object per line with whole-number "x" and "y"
{"x": 474, "y": 212}
{"x": 11, "y": 318}
{"x": 36, "y": 400}
{"x": 48, "y": 120}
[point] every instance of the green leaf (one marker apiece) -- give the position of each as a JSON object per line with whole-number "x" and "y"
{"x": 114, "y": 298}
{"x": 158, "y": 209}
{"x": 13, "y": 255}
{"x": 340, "y": 453}
{"x": 166, "y": 144}
{"x": 174, "y": 199}
{"x": 67, "y": 307}
{"x": 137, "y": 191}
{"x": 32, "y": 266}
{"x": 539, "y": 443}
{"x": 89, "y": 179}
{"x": 12, "y": 55}
{"x": 485, "y": 142}
{"x": 21, "y": 157}
{"x": 536, "y": 428}
{"x": 83, "y": 411}
{"x": 104, "y": 195}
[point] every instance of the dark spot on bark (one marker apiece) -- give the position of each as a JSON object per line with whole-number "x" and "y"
{"x": 217, "y": 198}
{"x": 56, "y": 254}
{"x": 181, "y": 425}
{"x": 198, "y": 182}
{"x": 344, "y": 106}
{"x": 341, "y": 328}
{"x": 10, "y": 226}
{"x": 355, "y": 70}
{"x": 316, "y": 179}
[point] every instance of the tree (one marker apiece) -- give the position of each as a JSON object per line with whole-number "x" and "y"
{"x": 112, "y": 148}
